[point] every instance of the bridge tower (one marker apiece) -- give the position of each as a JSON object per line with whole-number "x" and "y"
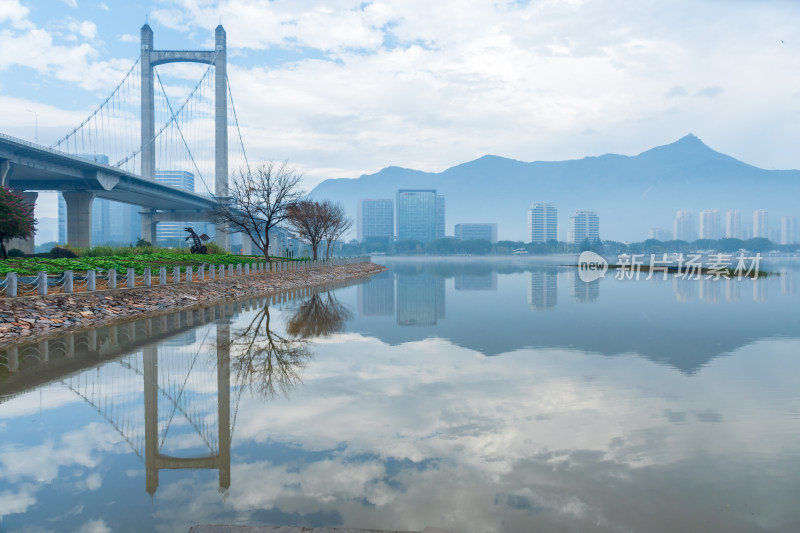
{"x": 151, "y": 58}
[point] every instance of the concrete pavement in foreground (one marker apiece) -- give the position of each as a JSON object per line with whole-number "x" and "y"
{"x": 289, "y": 529}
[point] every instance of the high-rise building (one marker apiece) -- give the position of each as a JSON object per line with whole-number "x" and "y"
{"x": 660, "y": 234}
{"x": 684, "y": 228}
{"x": 439, "y": 216}
{"x": 733, "y": 224}
{"x": 710, "y": 224}
{"x": 417, "y": 214}
{"x": 469, "y": 232}
{"x": 788, "y": 230}
{"x": 761, "y": 223}
{"x": 172, "y": 233}
{"x": 542, "y": 222}
{"x": 62, "y": 219}
{"x": 584, "y": 226}
{"x": 375, "y": 219}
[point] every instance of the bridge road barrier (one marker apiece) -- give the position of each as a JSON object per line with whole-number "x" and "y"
{"x": 14, "y": 285}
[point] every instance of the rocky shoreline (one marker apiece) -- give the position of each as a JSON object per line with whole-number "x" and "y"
{"x": 33, "y": 317}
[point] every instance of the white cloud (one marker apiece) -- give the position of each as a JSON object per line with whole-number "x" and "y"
{"x": 15, "y": 502}
{"x": 71, "y": 3}
{"x": 95, "y": 526}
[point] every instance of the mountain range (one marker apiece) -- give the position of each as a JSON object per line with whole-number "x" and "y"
{"x": 631, "y": 194}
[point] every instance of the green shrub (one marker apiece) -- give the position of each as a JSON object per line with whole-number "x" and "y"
{"x": 63, "y": 252}
{"x": 15, "y": 252}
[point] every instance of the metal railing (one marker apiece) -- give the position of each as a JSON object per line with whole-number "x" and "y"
{"x": 14, "y": 285}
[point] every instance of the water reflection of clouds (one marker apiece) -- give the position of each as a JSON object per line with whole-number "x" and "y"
{"x": 549, "y": 416}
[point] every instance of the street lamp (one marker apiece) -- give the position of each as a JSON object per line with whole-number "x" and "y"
{"x": 36, "y": 115}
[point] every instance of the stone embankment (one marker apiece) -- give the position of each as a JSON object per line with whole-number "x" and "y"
{"x": 22, "y": 319}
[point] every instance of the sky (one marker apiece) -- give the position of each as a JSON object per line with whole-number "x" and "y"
{"x": 343, "y": 88}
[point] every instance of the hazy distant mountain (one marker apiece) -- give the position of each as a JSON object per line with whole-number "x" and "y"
{"x": 630, "y": 194}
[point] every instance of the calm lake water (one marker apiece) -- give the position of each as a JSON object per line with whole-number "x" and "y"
{"x": 478, "y": 396}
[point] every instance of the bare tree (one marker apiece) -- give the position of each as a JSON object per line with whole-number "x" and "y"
{"x": 337, "y": 224}
{"x": 260, "y": 199}
{"x": 310, "y": 220}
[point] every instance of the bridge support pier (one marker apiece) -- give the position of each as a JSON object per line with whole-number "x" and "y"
{"x": 79, "y": 218}
{"x": 25, "y": 245}
{"x": 149, "y": 226}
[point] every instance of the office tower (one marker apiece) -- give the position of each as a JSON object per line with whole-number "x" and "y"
{"x": 172, "y": 233}
{"x": 542, "y": 222}
{"x": 733, "y": 224}
{"x": 470, "y": 232}
{"x": 62, "y": 219}
{"x": 660, "y": 234}
{"x": 416, "y": 214}
{"x": 761, "y": 223}
{"x": 788, "y": 230}
{"x": 439, "y": 216}
{"x": 683, "y": 228}
{"x": 710, "y": 224}
{"x": 584, "y": 226}
{"x": 375, "y": 219}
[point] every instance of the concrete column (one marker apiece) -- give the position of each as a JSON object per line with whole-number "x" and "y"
{"x": 149, "y": 225}
{"x": 220, "y": 128}
{"x": 247, "y": 244}
{"x": 25, "y": 245}
{"x": 148, "y": 110}
{"x": 79, "y": 218}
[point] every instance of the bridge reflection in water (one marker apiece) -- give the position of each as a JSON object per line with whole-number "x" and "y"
{"x": 165, "y": 383}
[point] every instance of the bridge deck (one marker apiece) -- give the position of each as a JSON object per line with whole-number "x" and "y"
{"x": 39, "y": 168}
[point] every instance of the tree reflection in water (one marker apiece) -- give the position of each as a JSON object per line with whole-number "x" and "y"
{"x": 319, "y": 316}
{"x": 271, "y": 362}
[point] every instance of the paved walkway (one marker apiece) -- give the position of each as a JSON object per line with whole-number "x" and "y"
{"x": 288, "y": 529}
{"x": 34, "y": 317}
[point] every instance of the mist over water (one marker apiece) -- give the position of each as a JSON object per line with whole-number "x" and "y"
{"x": 473, "y": 395}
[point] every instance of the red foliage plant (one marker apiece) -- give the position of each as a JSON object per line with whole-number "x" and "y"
{"x": 16, "y": 218}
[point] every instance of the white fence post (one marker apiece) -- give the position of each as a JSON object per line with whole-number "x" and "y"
{"x": 147, "y": 277}
{"x": 112, "y": 278}
{"x": 176, "y": 274}
{"x": 68, "y": 277}
{"x": 41, "y": 282}
{"x": 188, "y": 274}
{"x": 162, "y": 276}
{"x": 91, "y": 280}
{"x": 230, "y": 271}
{"x": 201, "y": 272}
{"x": 11, "y": 285}
{"x": 212, "y": 271}
{"x": 239, "y": 269}
{"x": 131, "y": 278}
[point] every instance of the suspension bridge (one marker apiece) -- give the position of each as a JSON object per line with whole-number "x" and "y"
{"x": 135, "y": 134}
